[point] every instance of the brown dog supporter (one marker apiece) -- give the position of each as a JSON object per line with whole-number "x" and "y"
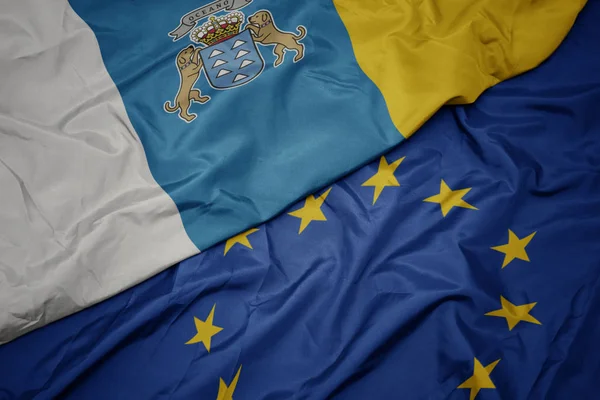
{"x": 264, "y": 31}
{"x": 189, "y": 65}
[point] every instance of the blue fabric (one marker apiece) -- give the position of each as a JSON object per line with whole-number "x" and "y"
{"x": 385, "y": 300}
{"x": 254, "y": 149}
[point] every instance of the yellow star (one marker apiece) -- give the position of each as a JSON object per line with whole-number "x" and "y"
{"x": 311, "y": 210}
{"x": 480, "y": 378}
{"x": 226, "y": 392}
{"x": 514, "y": 314}
{"x": 384, "y": 177}
{"x": 515, "y": 248}
{"x": 448, "y": 198}
{"x": 205, "y": 330}
{"x": 242, "y": 239}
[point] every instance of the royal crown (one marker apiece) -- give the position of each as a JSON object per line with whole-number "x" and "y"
{"x": 218, "y": 29}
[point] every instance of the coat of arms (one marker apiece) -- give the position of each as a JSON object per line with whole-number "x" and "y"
{"x": 225, "y": 51}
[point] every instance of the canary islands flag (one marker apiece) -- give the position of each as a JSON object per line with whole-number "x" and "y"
{"x": 461, "y": 265}
{"x": 136, "y": 133}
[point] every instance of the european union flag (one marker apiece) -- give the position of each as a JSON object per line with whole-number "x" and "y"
{"x": 461, "y": 265}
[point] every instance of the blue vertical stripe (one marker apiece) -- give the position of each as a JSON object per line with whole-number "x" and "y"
{"x": 253, "y": 149}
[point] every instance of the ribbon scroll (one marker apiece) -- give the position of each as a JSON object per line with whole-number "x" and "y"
{"x": 189, "y": 20}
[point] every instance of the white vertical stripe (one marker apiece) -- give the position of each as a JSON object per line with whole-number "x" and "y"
{"x": 81, "y": 217}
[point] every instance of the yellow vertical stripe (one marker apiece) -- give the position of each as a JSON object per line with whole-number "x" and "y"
{"x": 423, "y": 54}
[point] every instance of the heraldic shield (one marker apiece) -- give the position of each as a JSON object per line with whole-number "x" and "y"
{"x": 232, "y": 62}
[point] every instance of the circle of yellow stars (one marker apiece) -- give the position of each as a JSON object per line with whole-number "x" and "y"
{"x": 448, "y": 199}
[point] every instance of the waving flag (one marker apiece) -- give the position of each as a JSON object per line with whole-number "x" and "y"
{"x": 137, "y": 133}
{"x": 461, "y": 265}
